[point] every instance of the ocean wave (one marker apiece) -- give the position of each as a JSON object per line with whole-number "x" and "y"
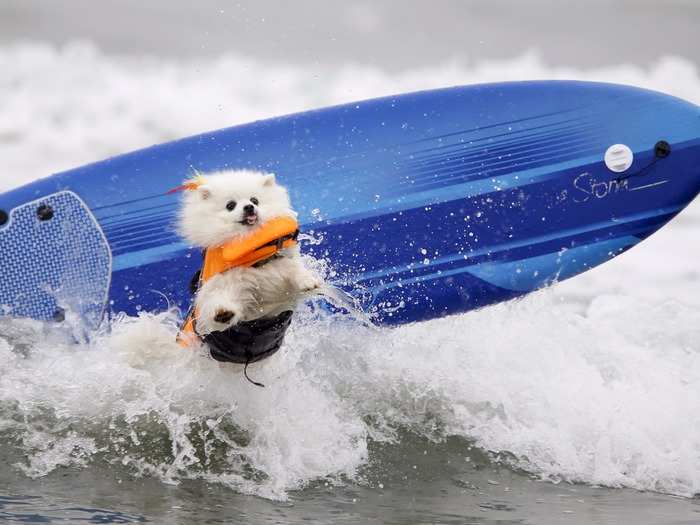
{"x": 603, "y": 393}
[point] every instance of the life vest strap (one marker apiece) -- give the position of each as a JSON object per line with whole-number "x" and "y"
{"x": 278, "y": 244}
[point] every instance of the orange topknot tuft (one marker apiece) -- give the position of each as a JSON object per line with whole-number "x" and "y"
{"x": 191, "y": 184}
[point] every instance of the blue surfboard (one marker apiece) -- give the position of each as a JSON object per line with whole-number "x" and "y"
{"x": 423, "y": 204}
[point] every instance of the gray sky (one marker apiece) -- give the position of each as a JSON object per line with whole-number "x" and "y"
{"x": 392, "y": 34}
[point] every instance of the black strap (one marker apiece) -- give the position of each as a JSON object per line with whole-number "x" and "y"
{"x": 263, "y": 262}
{"x": 245, "y": 373}
{"x": 662, "y": 149}
{"x": 194, "y": 282}
{"x": 279, "y": 242}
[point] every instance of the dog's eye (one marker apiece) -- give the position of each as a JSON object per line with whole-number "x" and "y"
{"x": 254, "y": 200}
{"x": 230, "y": 205}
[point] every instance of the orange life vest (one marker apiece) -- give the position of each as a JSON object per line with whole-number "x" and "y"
{"x": 252, "y": 250}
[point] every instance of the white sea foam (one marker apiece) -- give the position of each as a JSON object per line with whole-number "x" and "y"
{"x": 596, "y": 380}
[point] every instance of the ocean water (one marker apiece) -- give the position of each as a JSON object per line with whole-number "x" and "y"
{"x": 576, "y": 404}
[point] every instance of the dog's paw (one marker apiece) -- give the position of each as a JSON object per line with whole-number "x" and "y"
{"x": 224, "y": 316}
{"x": 309, "y": 283}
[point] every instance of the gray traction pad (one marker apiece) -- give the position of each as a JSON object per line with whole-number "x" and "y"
{"x": 59, "y": 264}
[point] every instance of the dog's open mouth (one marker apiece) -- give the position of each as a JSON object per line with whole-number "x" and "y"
{"x": 250, "y": 220}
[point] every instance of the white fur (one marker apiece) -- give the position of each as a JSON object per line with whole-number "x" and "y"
{"x": 248, "y": 293}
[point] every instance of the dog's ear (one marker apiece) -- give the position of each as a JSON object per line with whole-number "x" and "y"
{"x": 204, "y": 192}
{"x": 269, "y": 179}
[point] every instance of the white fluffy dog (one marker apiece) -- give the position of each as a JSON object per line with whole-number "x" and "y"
{"x": 226, "y": 205}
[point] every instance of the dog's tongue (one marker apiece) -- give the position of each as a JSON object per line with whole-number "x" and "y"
{"x": 251, "y": 219}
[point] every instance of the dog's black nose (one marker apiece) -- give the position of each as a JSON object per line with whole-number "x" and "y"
{"x": 249, "y": 209}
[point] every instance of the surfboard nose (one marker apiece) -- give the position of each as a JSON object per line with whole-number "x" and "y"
{"x": 682, "y": 159}
{"x": 664, "y": 140}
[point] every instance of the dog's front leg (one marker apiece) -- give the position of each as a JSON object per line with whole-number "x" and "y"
{"x": 219, "y": 303}
{"x": 305, "y": 280}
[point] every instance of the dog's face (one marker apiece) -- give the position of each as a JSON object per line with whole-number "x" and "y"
{"x": 229, "y": 204}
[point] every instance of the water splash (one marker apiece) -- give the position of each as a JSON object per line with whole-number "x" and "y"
{"x": 603, "y": 397}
